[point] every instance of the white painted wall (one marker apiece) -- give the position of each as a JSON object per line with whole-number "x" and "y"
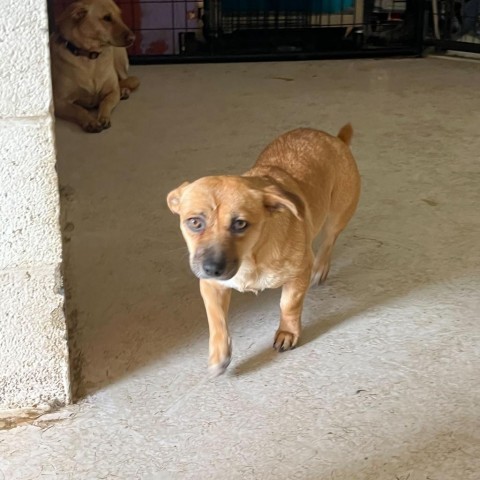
{"x": 33, "y": 334}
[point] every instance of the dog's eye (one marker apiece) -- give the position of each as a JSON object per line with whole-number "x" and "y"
{"x": 107, "y": 18}
{"x": 196, "y": 224}
{"x": 239, "y": 226}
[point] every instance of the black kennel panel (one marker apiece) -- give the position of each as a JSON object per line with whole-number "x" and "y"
{"x": 453, "y": 25}
{"x": 186, "y": 30}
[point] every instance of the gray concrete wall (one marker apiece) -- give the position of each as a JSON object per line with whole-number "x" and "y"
{"x": 33, "y": 338}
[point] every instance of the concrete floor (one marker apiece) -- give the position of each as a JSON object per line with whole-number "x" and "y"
{"x": 385, "y": 384}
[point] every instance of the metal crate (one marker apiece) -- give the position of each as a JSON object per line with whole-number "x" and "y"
{"x": 218, "y": 30}
{"x": 454, "y": 25}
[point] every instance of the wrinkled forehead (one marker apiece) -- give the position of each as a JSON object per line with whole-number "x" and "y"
{"x": 226, "y": 197}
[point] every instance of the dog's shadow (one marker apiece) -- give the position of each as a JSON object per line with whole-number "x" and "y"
{"x": 309, "y": 333}
{"x": 364, "y": 289}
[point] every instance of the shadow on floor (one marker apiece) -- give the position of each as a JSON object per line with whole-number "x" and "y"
{"x": 395, "y": 284}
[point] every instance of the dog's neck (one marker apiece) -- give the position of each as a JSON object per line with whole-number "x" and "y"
{"x": 74, "y": 50}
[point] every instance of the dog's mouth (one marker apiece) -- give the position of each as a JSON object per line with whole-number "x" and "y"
{"x": 121, "y": 44}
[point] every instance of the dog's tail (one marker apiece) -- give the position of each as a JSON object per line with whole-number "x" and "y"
{"x": 345, "y": 134}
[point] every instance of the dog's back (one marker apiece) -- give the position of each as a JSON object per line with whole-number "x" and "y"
{"x": 318, "y": 166}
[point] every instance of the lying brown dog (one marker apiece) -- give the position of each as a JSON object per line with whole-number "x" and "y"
{"x": 90, "y": 63}
{"x": 255, "y": 231}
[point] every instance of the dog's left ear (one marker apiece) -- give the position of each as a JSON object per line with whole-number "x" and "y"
{"x": 275, "y": 198}
{"x": 174, "y": 198}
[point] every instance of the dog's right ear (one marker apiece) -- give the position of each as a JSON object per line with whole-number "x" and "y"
{"x": 276, "y": 198}
{"x": 174, "y": 198}
{"x": 77, "y": 11}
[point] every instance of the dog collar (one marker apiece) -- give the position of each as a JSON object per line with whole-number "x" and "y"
{"x": 78, "y": 52}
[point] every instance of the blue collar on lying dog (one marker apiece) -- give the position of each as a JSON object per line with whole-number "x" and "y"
{"x": 78, "y": 52}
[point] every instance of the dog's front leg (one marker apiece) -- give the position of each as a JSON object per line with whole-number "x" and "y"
{"x": 76, "y": 113}
{"x": 105, "y": 110}
{"x": 291, "y": 305}
{"x": 217, "y": 300}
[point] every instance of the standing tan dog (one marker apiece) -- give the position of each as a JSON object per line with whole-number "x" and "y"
{"x": 90, "y": 63}
{"x": 255, "y": 231}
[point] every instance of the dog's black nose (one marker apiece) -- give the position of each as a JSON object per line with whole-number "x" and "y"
{"x": 214, "y": 267}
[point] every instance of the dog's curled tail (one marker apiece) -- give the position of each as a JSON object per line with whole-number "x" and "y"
{"x": 345, "y": 134}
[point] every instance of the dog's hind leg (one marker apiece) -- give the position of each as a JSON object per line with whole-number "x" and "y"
{"x": 321, "y": 264}
{"x": 342, "y": 211}
{"x": 127, "y": 84}
{"x": 343, "y": 204}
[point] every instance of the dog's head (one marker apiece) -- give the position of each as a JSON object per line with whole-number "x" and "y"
{"x": 93, "y": 24}
{"x": 222, "y": 219}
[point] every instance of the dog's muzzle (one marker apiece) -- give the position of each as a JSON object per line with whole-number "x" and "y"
{"x": 213, "y": 265}
{"x": 125, "y": 39}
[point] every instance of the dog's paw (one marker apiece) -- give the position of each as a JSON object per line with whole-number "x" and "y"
{"x": 285, "y": 341}
{"x": 92, "y": 126}
{"x": 319, "y": 274}
{"x": 105, "y": 122}
{"x": 220, "y": 356}
{"x": 214, "y": 370}
{"x": 125, "y": 93}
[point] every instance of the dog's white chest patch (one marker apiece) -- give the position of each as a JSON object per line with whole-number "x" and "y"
{"x": 252, "y": 278}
